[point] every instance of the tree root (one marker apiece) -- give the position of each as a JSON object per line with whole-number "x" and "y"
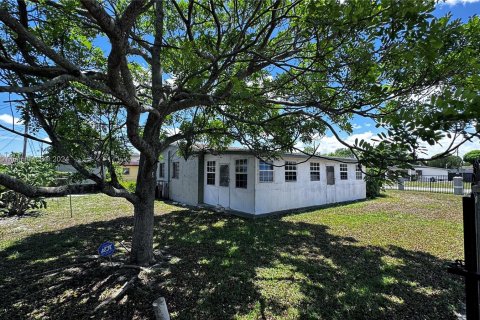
{"x": 55, "y": 271}
{"x": 141, "y": 268}
{"x": 117, "y": 295}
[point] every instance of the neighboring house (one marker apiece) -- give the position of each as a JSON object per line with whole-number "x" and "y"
{"x": 424, "y": 171}
{"x": 130, "y": 169}
{"x": 6, "y": 160}
{"x": 429, "y": 171}
{"x": 67, "y": 168}
{"x": 466, "y": 172}
{"x": 237, "y": 181}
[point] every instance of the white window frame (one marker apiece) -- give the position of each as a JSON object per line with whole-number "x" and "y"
{"x": 260, "y": 171}
{"x": 211, "y": 171}
{"x": 161, "y": 169}
{"x": 343, "y": 171}
{"x": 315, "y": 168}
{"x": 175, "y": 170}
{"x": 358, "y": 172}
{"x": 241, "y": 169}
{"x": 291, "y": 171}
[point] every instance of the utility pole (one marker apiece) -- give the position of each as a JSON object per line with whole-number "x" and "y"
{"x": 25, "y": 140}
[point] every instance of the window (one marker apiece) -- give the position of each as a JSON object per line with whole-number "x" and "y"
{"x": 343, "y": 171}
{"x": 126, "y": 171}
{"x": 290, "y": 171}
{"x": 211, "y": 172}
{"x": 330, "y": 175}
{"x": 224, "y": 175}
{"x": 265, "y": 171}
{"x": 314, "y": 171}
{"x": 241, "y": 173}
{"x": 176, "y": 170}
{"x": 358, "y": 172}
{"x": 161, "y": 170}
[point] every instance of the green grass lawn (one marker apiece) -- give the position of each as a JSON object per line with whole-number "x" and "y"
{"x": 378, "y": 259}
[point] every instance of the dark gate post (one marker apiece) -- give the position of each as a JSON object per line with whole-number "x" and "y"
{"x": 471, "y": 258}
{"x": 471, "y": 228}
{"x": 471, "y": 280}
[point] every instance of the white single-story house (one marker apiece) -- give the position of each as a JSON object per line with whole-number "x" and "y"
{"x": 237, "y": 181}
{"x": 425, "y": 171}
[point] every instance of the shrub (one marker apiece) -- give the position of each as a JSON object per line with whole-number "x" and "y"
{"x": 32, "y": 171}
{"x": 15, "y": 204}
{"x": 374, "y": 182}
{"x": 129, "y": 185}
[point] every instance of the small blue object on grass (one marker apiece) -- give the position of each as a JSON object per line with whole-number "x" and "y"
{"x": 106, "y": 249}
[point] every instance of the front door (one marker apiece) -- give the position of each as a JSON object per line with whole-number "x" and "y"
{"x": 331, "y": 190}
{"x": 224, "y": 189}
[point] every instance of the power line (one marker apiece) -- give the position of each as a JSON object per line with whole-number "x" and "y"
{"x": 32, "y": 150}
{"x": 5, "y": 146}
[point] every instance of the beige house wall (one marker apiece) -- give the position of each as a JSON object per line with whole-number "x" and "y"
{"x": 132, "y": 176}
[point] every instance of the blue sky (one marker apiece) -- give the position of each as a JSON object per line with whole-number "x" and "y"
{"x": 363, "y": 129}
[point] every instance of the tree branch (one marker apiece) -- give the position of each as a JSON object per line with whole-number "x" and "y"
{"x": 19, "y": 186}
{"x": 16, "y": 26}
{"x": 41, "y": 87}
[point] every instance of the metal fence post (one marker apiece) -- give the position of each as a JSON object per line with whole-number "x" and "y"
{"x": 470, "y": 226}
{"x": 458, "y": 185}
{"x": 401, "y": 184}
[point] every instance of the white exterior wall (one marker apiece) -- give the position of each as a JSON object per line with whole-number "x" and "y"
{"x": 260, "y": 198}
{"x": 185, "y": 188}
{"x": 280, "y": 195}
{"x": 238, "y": 199}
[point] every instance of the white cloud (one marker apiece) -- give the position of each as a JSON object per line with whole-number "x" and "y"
{"x": 356, "y": 126}
{"x": 170, "y": 131}
{"x": 445, "y": 142}
{"x": 328, "y": 144}
{"x": 455, "y": 2}
{"x": 10, "y": 120}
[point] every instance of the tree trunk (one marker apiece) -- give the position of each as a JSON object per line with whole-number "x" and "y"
{"x": 142, "y": 242}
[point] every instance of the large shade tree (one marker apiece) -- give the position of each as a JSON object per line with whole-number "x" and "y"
{"x": 97, "y": 76}
{"x": 472, "y": 156}
{"x": 447, "y": 162}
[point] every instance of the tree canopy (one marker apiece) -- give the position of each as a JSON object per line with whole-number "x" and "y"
{"x": 447, "y": 162}
{"x": 471, "y": 156}
{"x": 97, "y": 77}
{"x": 342, "y": 152}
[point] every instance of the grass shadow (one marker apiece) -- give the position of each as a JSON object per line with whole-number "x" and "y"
{"x": 225, "y": 267}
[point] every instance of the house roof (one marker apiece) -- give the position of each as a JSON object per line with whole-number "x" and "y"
{"x": 6, "y": 160}
{"x": 134, "y": 161}
{"x": 428, "y": 167}
{"x": 239, "y": 150}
